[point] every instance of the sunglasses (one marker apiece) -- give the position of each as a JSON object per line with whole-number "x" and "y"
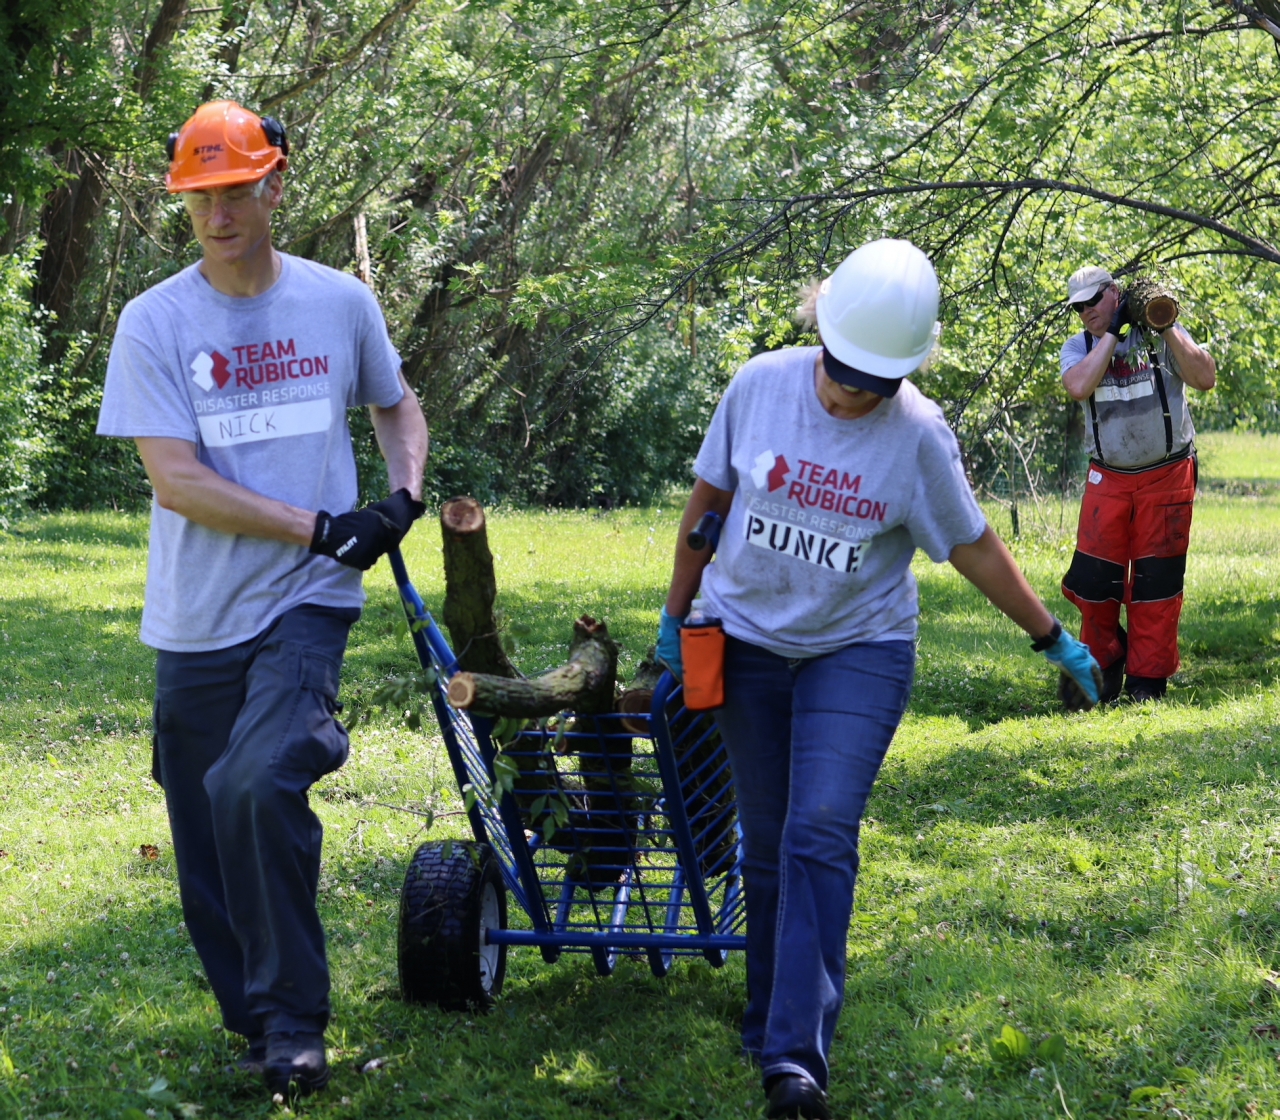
{"x": 1078, "y": 307}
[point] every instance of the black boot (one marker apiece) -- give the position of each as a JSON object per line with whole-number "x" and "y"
{"x": 295, "y": 1059}
{"x": 1146, "y": 688}
{"x": 1113, "y": 674}
{"x": 252, "y": 1060}
{"x": 791, "y": 1095}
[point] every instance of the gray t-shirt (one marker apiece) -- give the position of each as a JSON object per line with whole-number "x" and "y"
{"x": 827, "y": 513}
{"x": 1131, "y": 431}
{"x": 261, "y": 386}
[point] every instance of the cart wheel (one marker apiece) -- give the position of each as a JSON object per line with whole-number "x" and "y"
{"x": 450, "y": 898}
{"x": 659, "y": 962}
{"x": 604, "y": 960}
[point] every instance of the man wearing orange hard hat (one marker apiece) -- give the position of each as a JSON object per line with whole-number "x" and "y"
{"x": 234, "y": 377}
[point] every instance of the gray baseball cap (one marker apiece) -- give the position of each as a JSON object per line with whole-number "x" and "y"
{"x": 1085, "y": 282}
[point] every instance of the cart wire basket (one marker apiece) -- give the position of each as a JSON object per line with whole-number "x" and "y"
{"x": 615, "y": 834}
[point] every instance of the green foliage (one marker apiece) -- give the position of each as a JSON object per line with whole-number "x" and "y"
{"x": 44, "y": 60}
{"x": 581, "y": 218}
{"x": 1011, "y": 1046}
{"x": 22, "y": 449}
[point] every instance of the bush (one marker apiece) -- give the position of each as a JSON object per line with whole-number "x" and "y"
{"x": 22, "y": 449}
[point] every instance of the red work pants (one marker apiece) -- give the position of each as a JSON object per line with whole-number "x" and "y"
{"x": 1131, "y": 548}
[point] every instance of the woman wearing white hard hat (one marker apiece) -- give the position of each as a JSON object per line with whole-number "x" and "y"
{"x": 830, "y": 470}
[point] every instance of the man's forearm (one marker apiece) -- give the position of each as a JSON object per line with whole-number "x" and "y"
{"x": 402, "y": 436}
{"x": 1087, "y": 374}
{"x": 1195, "y": 365}
{"x": 186, "y": 486}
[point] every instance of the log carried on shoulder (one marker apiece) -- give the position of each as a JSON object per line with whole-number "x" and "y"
{"x": 584, "y": 683}
{"x": 1151, "y": 304}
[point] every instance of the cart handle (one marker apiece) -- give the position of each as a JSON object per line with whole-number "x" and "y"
{"x": 428, "y": 632}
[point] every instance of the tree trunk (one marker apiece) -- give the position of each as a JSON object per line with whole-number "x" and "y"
{"x": 231, "y": 35}
{"x": 584, "y": 683}
{"x": 470, "y": 588}
{"x": 70, "y": 214}
{"x": 66, "y": 228}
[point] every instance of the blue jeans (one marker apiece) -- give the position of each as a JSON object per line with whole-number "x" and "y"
{"x": 806, "y": 739}
{"x": 240, "y": 735}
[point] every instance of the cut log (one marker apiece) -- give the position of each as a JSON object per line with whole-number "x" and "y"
{"x": 636, "y": 700}
{"x": 1152, "y": 304}
{"x": 470, "y": 589}
{"x": 584, "y": 683}
{"x": 606, "y": 831}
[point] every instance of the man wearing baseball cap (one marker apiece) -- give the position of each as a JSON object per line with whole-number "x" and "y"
{"x": 1135, "y": 519}
{"x": 234, "y": 377}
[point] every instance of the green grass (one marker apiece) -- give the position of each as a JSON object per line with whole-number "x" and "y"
{"x": 1109, "y": 877}
{"x": 1244, "y": 456}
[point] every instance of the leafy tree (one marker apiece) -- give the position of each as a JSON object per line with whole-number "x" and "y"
{"x": 581, "y": 217}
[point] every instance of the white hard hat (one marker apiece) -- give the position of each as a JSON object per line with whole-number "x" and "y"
{"x": 878, "y": 311}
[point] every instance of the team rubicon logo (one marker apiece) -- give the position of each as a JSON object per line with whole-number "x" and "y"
{"x": 210, "y": 370}
{"x": 770, "y": 470}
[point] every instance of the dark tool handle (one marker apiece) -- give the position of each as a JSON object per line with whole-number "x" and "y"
{"x": 706, "y": 532}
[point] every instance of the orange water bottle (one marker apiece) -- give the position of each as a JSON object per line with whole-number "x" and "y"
{"x": 702, "y": 655}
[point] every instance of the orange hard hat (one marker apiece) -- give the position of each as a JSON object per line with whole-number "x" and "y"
{"x": 222, "y": 145}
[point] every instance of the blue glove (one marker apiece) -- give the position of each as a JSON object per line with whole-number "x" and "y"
{"x": 1076, "y": 662}
{"x": 669, "y": 644}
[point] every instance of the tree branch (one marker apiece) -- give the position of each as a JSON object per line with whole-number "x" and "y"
{"x": 1268, "y": 18}
{"x": 377, "y": 31}
{"x": 168, "y": 19}
{"x": 1257, "y": 246}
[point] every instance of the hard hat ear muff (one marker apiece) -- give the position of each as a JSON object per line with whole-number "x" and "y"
{"x": 171, "y": 145}
{"x": 276, "y": 135}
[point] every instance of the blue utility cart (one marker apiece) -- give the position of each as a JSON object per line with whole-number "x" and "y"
{"x": 617, "y": 836}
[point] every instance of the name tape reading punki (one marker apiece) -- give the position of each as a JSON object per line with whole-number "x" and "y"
{"x": 824, "y": 551}
{"x": 255, "y": 424}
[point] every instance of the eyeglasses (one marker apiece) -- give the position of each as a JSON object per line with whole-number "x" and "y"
{"x": 234, "y": 200}
{"x": 1079, "y": 307}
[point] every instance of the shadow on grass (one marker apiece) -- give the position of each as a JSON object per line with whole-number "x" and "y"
{"x": 1046, "y": 778}
{"x": 559, "y": 1042}
{"x": 97, "y": 530}
{"x": 45, "y": 639}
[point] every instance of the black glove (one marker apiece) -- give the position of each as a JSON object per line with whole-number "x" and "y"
{"x": 357, "y": 539}
{"x": 1121, "y": 318}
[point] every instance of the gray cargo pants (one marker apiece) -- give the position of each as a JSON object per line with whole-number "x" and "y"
{"x": 240, "y": 735}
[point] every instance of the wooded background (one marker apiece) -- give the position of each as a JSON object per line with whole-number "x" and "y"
{"x": 581, "y": 217}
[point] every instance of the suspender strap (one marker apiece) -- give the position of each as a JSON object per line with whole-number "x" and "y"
{"x": 1164, "y": 400}
{"x": 1093, "y": 408}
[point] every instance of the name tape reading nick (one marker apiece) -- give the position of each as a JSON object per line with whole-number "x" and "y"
{"x": 253, "y": 424}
